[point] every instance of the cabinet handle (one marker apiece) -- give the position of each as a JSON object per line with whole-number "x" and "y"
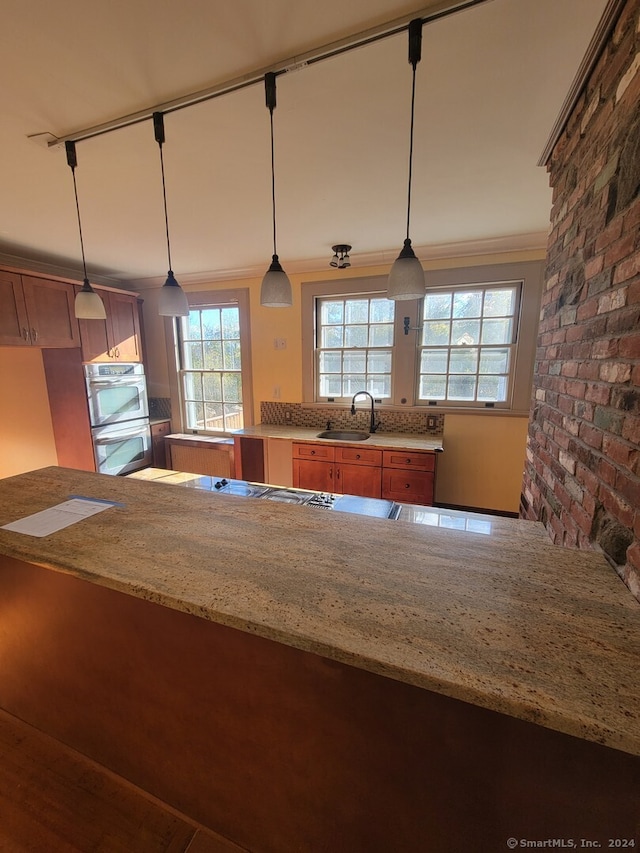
{"x": 331, "y": 473}
{"x": 313, "y": 453}
{"x": 117, "y": 353}
{"x": 407, "y": 485}
{"x": 408, "y": 462}
{"x": 337, "y": 473}
{"x": 110, "y": 353}
{"x": 25, "y": 333}
{"x": 34, "y": 334}
{"x": 357, "y": 456}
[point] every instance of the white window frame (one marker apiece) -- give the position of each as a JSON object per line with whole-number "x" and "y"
{"x": 201, "y": 300}
{"x": 406, "y": 347}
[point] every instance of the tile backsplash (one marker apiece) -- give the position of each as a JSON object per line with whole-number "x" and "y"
{"x": 296, "y": 414}
{"x": 159, "y": 407}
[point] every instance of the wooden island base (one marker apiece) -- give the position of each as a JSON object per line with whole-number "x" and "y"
{"x": 281, "y": 750}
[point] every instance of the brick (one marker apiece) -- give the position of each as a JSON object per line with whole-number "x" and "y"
{"x": 627, "y": 77}
{"x": 613, "y": 300}
{"x": 611, "y": 233}
{"x": 597, "y": 393}
{"x": 605, "y": 348}
{"x": 629, "y": 346}
{"x": 618, "y": 451}
{"x": 625, "y": 320}
{"x": 591, "y": 436}
{"x": 617, "y": 506}
{"x": 627, "y": 268}
{"x": 615, "y": 372}
{"x": 628, "y": 487}
{"x": 619, "y": 250}
{"x": 608, "y": 420}
{"x": 631, "y": 429}
{"x": 594, "y": 266}
{"x": 606, "y": 472}
{"x": 607, "y": 173}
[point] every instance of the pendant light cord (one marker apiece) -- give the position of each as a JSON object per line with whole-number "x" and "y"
{"x": 164, "y": 196}
{"x": 273, "y": 183}
{"x": 413, "y": 101}
{"x": 75, "y": 192}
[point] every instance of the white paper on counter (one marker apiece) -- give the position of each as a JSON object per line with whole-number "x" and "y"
{"x": 58, "y": 517}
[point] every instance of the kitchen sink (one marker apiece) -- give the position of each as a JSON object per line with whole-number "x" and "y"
{"x": 344, "y": 435}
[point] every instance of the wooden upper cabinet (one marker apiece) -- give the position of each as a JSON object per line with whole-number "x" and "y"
{"x": 14, "y": 324}
{"x": 50, "y": 309}
{"x": 37, "y": 312}
{"x": 118, "y": 337}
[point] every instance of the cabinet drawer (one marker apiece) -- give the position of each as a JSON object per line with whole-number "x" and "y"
{"x": 160, "y": 429}
{"x": 407, "y": 486}
{"x": 407, "y": 459}
{"x": 359, "y": 455}
{"x": 322, "y": 452}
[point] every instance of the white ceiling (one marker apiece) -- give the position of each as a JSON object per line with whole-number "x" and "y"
{"x": 490, "y": 85}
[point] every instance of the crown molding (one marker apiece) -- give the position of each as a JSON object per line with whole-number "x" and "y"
{"x": 596, "y": 46}
{"x": 532, "y": 242}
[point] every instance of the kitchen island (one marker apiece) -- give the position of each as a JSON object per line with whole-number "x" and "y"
{"x": 300, "y": 680}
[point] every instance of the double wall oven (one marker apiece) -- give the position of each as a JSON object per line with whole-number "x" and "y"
{"x": 119, "y": 414}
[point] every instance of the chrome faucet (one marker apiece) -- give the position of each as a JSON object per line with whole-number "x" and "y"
{"x": 373, "y": 426}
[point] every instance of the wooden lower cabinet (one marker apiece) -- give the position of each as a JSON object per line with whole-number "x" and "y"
{"x": 341, "y": 470}
{"x": 408, "y": 477}
{"x": 404, "y": 476}
{"x": 158, "y": 449}
{"x": 281, "y": 750}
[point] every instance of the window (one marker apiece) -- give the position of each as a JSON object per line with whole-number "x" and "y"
{"x": 212, "y": 365}
{"x": 354, "y": 346}
{"x": 470, "y": 343}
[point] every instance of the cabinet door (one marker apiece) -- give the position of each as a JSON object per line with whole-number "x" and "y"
{"x": 50, "y": 310}
{"x": 125, "y": 327}
{"x": 317, "y": 476}
{"x": 14, "y": 325}
{"x": 363, "y": 480}
{"x": 158, "y": 449}
{"x": 95, "y": 336}
{"x": 405, "y": 486}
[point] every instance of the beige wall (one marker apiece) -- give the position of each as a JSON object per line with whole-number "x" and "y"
{"x": 26, "y": 432}
{"x": 498, "y": 440}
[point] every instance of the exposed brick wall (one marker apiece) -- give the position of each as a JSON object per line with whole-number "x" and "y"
{"x": 582, "y": 475}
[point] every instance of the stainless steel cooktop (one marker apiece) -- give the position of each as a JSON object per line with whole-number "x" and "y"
{"x": 377, "y": 507}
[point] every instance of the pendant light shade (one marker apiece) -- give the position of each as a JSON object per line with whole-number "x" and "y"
{"x": 275, "y": 291}
{"x": 172, "y": 301}
{"x": 406, "y": 278}
{"x": 88, "y": 305}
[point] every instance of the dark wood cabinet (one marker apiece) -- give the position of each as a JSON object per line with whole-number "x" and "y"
{"x": 158, "y": 448}
{"x": 37, "y": 312}
{"x": 342, "y": 469}
{"x": 408, "y": 476}
{"x": 117, "y": 338}
{"x": 401, "y": 475}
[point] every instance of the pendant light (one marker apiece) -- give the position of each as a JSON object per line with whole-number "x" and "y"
{"x": 88, "y": 305}
{"x": 406, "y": 278}
{"x": 276, "y": 287}
{"x": 172, "y": 301}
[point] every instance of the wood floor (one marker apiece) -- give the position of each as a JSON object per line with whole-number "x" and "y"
{"x": 54, "y": 800}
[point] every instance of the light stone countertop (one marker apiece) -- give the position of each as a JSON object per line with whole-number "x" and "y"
{"x": 382, "y": 440}
{"x": 527, "y": 629}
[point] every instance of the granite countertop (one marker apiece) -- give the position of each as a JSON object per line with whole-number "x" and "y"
{"x": 541, "y": 633}
{"x": 383, "y": 440}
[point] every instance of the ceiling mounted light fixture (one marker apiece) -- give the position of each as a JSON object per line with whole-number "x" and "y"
{"x": 172, "y": 301}
{"x": 88, "y": 304}
{"x": 406, "y": 278}
{"x": 340, "y": 258}
{"x": 276, "y": 287}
